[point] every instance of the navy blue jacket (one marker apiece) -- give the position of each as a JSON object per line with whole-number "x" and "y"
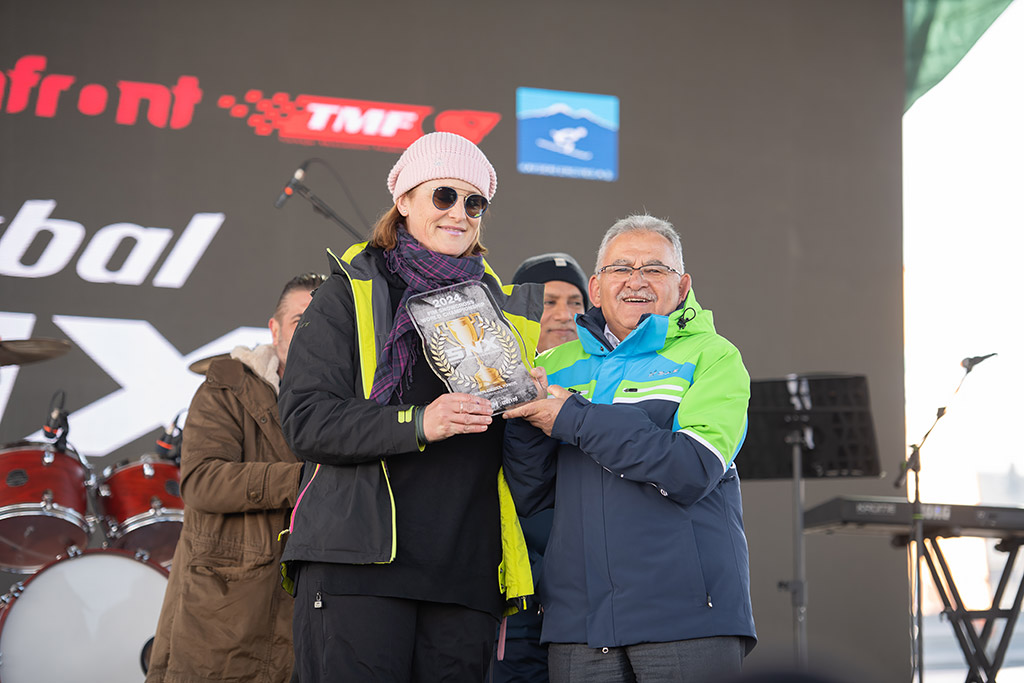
{"x": 647, "y": 543}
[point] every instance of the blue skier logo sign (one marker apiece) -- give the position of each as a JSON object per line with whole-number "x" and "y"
{"x": 567, "y": 134}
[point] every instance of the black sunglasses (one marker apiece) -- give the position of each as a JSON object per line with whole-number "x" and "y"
{"x": 445, "y": 197}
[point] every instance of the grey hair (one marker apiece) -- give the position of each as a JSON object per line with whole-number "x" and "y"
{"x": 641, "y": 223}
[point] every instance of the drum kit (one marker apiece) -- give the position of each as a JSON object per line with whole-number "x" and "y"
{"x": 82, "y": 614}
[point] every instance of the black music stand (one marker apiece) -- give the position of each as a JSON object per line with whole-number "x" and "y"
{"x": 808, "y": 426}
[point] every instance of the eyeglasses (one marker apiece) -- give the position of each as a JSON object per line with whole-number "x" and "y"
{"x": 445, "y": 197}
{"x": 654, "y": 272}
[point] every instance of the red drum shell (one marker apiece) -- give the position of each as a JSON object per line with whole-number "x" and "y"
{"x": 142, "y": 508}
{"x": 43, "y": 503}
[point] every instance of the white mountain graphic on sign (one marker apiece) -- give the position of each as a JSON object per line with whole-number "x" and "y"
{"x": 564, "y": 109}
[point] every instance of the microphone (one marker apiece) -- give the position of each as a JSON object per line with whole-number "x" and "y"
{"x": 969, "y": 363}
{"x": 56, "y": 426}
{"x": 168, "y": 446}
{"x": 289, "y": 189}
{"x": 54, "y": 420}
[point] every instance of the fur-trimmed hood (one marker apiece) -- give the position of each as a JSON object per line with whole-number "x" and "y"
{"x": 262, "y": 360}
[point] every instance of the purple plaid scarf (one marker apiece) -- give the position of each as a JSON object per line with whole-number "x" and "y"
{"x": 423, "y": 270}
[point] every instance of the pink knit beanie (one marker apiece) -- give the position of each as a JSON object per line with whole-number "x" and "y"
{"x": 442, "y": 155}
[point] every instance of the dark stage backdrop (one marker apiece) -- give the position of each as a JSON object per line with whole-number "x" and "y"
{"x": 142, "y": 146}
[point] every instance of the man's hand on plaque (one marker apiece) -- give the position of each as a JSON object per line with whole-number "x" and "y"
{"x": 540, "y": 380}
{"x": 542, "y": 412}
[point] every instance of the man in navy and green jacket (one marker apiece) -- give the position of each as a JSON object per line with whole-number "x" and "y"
{"x": 646, "y": 571}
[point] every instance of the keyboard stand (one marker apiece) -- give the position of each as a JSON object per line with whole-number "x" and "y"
{"x": 974, "y": 645}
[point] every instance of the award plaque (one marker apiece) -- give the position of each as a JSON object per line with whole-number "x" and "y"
{"x": 470, "y": 345}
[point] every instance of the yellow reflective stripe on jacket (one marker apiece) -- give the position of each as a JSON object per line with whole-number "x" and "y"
{"x": 351, "y": 252}
{"x": 362, "y": 296}
{"x": 394, "y": 517}
{"x": 527, "y": 335}
{"x": 514, "y": 576}
{"x": 527, "y": 331}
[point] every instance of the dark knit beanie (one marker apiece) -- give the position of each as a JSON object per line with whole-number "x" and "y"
{"x": 553, "y": 266}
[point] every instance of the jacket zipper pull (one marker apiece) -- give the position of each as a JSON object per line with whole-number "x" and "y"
{"x": 317, "y": 602}
{"x": 708, "y": 594}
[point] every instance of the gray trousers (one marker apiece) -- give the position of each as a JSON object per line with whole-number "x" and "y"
{"x": 698, "y": 660}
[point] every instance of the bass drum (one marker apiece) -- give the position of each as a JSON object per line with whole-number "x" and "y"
{"x": 84, "y": 618}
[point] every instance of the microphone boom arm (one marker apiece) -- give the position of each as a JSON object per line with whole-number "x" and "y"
{"x": 321, "y": 207}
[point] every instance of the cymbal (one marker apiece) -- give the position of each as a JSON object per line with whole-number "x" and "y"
{"x": 23, "y": 351}
{"x": 203, "y": 364}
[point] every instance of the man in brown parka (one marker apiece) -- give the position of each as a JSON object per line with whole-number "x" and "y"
{"x": 225, "y": 616}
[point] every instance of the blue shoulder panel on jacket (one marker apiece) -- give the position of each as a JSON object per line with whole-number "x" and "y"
{"x": 580, "y": 372}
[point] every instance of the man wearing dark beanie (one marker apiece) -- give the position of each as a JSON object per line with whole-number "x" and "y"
{"x": 565, "y": 294}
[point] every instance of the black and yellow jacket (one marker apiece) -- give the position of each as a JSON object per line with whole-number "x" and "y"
{"x": 345, "y": 512}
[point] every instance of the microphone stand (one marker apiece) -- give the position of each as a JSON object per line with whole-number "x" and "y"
{"x": 321, "y": 207}
{"x": 913, "y": 462}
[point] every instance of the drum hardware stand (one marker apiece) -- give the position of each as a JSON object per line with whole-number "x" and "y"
{"x": 829, "y": 417}
{"x": 101, "y": 521}
{"x": 92, "y": 521}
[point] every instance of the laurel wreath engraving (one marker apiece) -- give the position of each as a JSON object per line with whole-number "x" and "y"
{"x": 508, "y": 347}
{"x": 438, "y": 342}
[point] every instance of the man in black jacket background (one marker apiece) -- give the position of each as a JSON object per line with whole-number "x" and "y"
{"x": 525, "y": 660}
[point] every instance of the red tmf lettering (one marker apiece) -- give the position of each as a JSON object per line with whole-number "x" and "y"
{"x": 174, "y": 105}
{"x": 382, "y": 125}
{"x": 362, "y": 123}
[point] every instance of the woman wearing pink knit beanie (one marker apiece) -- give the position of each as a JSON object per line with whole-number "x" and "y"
{"x": 404, "y": 550}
